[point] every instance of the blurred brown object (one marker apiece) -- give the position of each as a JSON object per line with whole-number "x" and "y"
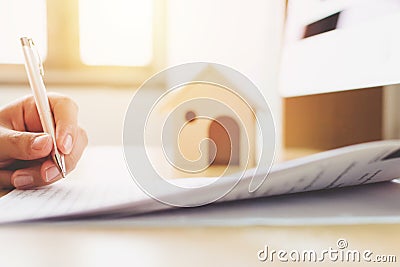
{"x": 331, "y": 120}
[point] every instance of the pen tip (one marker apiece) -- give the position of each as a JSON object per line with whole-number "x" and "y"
{"x": 63, "y": 171}
{"x": 59, "y": 159}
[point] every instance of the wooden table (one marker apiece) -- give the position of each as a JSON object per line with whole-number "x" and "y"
{"x": 54, "y": 245}
{"x": 87, "y": 244}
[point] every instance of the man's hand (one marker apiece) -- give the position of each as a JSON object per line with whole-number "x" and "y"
{"x": 25, "y": 160}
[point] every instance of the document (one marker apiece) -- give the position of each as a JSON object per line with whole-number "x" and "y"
{"x": 102, "y": 187}
{"x": 365, "y": 204}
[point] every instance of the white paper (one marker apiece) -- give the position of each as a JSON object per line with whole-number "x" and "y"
{"x": 364, "y": 204}
{"x": 102, "y": 186}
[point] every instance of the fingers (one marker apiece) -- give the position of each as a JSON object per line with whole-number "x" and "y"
{"x": 47, "y": 172}
{"x": 5, "y": 179}
{"x": 72, "y": 159}
{"x": 24, "y": 145}
{"x": 22, "y": 116}
{"x": 17, "y": 144}
{"x": 65, "y": 113}
{"x": 35, "y": 176}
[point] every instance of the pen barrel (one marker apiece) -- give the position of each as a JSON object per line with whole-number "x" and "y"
{"x": 39, "y": 91}
{"x": 42, "y": 101}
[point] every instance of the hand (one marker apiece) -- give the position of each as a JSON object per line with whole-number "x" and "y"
{"x": 25, "y": 160}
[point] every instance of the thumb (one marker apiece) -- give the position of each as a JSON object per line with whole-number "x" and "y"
{"x": 24, "y": 145}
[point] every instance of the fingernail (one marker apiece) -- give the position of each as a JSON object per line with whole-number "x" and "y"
{"x": 23, "y": 180}
{"x": 67, "y": 144}
{"x": 51, "y": 173}
{"x": 40, "y": 142}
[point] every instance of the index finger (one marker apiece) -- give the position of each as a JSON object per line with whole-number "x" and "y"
{"x": 65, "y": 112}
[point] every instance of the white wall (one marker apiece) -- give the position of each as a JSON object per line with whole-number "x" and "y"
{"x": 243, "y": 35}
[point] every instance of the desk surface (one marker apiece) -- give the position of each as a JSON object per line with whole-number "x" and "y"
{"x": 87, "y": 244}
{"x": 44, "y": 245}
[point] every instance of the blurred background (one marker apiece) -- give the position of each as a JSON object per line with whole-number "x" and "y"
{"x": 98, "y": 52}
{"x": 307, "y": 57}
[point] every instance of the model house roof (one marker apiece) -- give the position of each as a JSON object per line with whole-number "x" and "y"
{"x": 219, "y": 75}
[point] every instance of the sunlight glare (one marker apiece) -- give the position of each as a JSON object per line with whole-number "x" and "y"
{"x": 116, "y": 32}
{"x": 20, "y": 18}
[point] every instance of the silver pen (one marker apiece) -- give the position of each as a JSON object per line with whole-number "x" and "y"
{"x": 34, "y": 69}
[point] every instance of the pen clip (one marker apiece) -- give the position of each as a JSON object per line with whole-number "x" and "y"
{"x": 32, "y": 45}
